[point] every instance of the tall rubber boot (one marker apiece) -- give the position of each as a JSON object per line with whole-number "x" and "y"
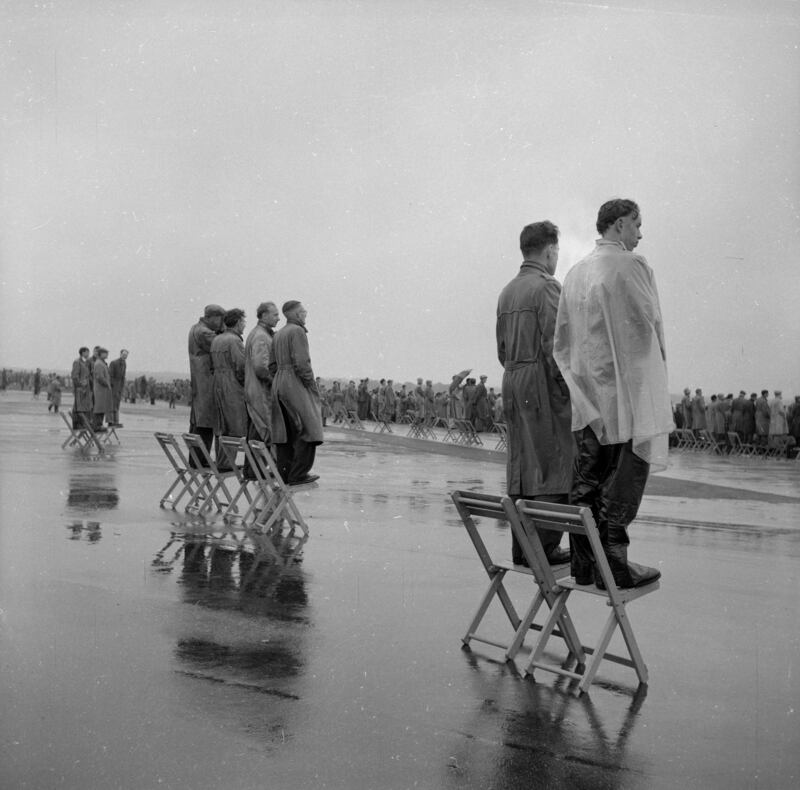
{"x": 626, "y": 574}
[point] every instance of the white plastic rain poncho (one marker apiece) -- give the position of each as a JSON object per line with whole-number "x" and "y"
{"x": 609, "y": 345}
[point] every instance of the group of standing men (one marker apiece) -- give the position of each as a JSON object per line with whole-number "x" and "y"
{"x": 585, "y": 392}
{"x": 757, "y": 419}
{"x": 262, "y": 388}
{"x": 97, "y": 387}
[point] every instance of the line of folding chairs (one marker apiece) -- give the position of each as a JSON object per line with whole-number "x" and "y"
{"x": 550, "y": 585}
{"x": 85, "y": 436}
{"x": 248, "y": 488}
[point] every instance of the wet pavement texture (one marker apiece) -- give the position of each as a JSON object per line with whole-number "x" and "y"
{"x": 143, "y": 648}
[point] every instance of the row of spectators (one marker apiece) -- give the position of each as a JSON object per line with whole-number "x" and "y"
{"x": 757, "y": 419}
{"x": 470, "y": 401}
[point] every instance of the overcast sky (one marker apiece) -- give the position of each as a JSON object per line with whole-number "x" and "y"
{"x": 377, "y": 160}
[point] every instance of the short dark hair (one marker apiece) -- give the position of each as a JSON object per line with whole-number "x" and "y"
{"x": 264, "y": 307}
{"x": 233, "y": 316}
{"x": 612, "y": 210}
{"x": 536, "y": 236}
{"x": 82, "y": 349}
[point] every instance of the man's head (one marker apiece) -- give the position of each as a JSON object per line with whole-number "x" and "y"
{"x": 123, "y": 354}
{"x": 267, "y": 313}
{"x": 295, "y": 311}
{"x": 741, "y": 393}
{"x": 213, "y": 315}
{"x": 686, "y": 391}
{"x": 83, "y": 352}
{"x": 102, "y": 353}
{"x": 234, "y": 319}
{"x": 698, "y": 391}
{"x": 620, "y": 220}
{"x": 764, "y": 393}
{"x": 539, "y": 242}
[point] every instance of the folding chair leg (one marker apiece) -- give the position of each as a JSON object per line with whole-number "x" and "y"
{"x": 632, "y": 645}
{"x": 524, "y": 626}
{"x": 496, "y": 582}
{"x": 599, "y": 653}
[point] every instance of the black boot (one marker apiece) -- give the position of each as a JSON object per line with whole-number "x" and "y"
{"x": 626, "y": 574}
{"x": 581, "y": 559}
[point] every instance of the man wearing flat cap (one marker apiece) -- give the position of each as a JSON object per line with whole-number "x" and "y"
{"x": 203, "y": 411}
{"x": 297, "y": 419}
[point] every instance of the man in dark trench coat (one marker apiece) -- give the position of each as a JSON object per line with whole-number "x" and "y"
{"x": 536, "y": 400}
{"x": 297, "y": 411}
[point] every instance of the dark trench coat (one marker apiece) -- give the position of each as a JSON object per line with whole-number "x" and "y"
{"x": 536, "y": 400}
{"x": 294, "y": 386}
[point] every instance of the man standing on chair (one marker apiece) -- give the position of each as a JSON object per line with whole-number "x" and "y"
{"x": 535, "y": 397}
{"x": 203, "y": 415}
{"x": 257, "y": 373}
{"x": 609, "y": 344}
{"x": 297, "y": 417}
{"x": 116, "y": 370}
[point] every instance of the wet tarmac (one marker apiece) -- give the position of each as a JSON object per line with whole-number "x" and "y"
{"x": 141, "y": 648}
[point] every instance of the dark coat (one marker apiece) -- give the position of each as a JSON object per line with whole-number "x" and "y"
{"x": 294, "y": 386}
{"x": 258, "y": 379}
{"x": 204, "y": 410}
{"x": 227, "y": 359}
{"x": 82, "y": 385}
{"x": 103, "y": 400}
{"x": 536, "y": 400}
{"x": 116, "y": 370}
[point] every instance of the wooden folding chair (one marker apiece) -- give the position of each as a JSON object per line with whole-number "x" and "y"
{"x": 93, "y": 437}
{"x": 502, "y": 430}
{"x": 470, "y": 505}
{"x": 738, "y": 447}
{"x": 382, "y": 426}
{"x": 233, "y": 447}
{"x": 78, "y": 437}
{"x": 353, "y": 421}
{"x": 273, "y": 501}
{"x": 190, "y": 480}
{"x": 212, "y": 477}
{"x": 579, "y": 521}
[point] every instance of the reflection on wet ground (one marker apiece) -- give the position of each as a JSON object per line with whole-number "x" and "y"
{"x": 186, "y": 653}
{"x": 92, "y": 491}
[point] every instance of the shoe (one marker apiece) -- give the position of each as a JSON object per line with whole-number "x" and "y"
{"x": 558, "y": 556}
{"x": 637, "y": 576}
{"x": 520, "y": 561}
{"x": 305, "y": 481}
{"x": 101, "y": 430}
{"x": 117, "y": 425}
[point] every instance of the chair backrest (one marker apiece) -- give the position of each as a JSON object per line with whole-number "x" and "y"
{"x": 169, "y": 444}
{"x": 232, "y": 446}
{"x": 198, "y": 453}
{"x": 263, "y": 464}
{"x": 566, "y": 518}
{"x": 470, "y": 504}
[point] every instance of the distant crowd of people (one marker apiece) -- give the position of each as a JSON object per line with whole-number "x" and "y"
{"x": 757, "y": 419}
{"x": 470, "y": 400}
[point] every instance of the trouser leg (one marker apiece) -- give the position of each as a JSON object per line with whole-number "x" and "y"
{"x": 620, "y": 499}
{"x": 304, "y": 454}
{"x": 284, "y": 453}
{"x": 592, "y": 463}
{"x": 550, "y": 538}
